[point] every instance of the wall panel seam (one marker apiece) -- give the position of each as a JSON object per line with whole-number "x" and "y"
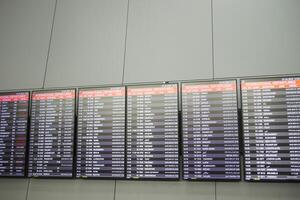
{"x": 50, "y": 41}
{"x": 28, "y": 186}
{"x": 212, "y": 38}
{"x": 125, "y": 42}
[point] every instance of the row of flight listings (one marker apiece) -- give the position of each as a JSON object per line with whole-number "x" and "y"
{"x": 133, "y": 132}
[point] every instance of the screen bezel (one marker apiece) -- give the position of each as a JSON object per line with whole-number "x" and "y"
{"x": 263, "y": 78}
{"x": 74, "y": 133}
{"x": 26, "y": 132}
{"x": 178, "y": 131}
{"x": 77, "y": 114}
{"x": 239, "y": 135}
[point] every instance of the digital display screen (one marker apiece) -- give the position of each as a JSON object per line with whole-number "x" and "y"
{"x": 101, "y": 133}
{"x": 52, "y": 133}
{"x": 13, "y": 133}
{"x": 271, "y": 123}
{"x": 152, "y": 132}
{"x": 210, "y": 131}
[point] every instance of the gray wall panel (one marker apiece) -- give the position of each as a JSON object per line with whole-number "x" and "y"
{"x": 168, "y": 40}
{"x": 162, "y": 190}
{"x": 256, "y": 37}
{"x": 50, "y": 189}
{"x": 24, "y": 39}
{"x": 88, "y": 43}
{"x": 258, "y": 191}
{"x": 13, "y": 188}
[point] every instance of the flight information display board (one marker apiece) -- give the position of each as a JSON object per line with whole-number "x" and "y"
{"x": 271, "y": 121}
{"x": 13, "y": 133}
{"x": 101, "y": 133}
{"x": 52, "y": 133}
{"x": 210, "y": 131}
{"x": 152, "y": 132}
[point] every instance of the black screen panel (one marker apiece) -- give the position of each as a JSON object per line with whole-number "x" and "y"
{"x": 271, "y": 123}
{"x": 13, "y": 133}
{"x": 210, "y": 131}
{"x": 101, "y": 133}
{"x": 152, "y": 132}
{"x": 52, "y": 134}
